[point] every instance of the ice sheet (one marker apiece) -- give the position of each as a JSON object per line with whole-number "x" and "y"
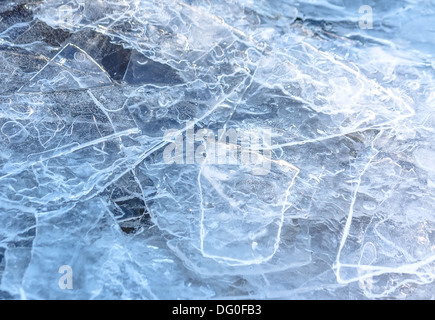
{"x": 340, "y": 207}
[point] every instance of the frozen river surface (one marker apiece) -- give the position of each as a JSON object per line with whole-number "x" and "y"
{"x": 194, "y": 149}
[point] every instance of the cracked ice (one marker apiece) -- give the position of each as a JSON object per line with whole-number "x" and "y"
{"x": 90, "y": 88}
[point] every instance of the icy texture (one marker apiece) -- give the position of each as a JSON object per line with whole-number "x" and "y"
{"x": 89, "y": 88}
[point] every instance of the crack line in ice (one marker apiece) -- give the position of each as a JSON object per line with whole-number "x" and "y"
{"x": 53, "y": 61}
{"x": 72, "y": 148}
{"x": 285, "y": 207}
{"x": 346, "y": 229}
{"x": 410, "y": 268}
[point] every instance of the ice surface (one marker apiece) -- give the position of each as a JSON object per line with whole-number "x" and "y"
{"x": 341, "y": 208}
{"x": 71, "y": 69}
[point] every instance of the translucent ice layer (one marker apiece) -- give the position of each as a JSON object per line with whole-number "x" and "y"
{"x": 301, "y": 149}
